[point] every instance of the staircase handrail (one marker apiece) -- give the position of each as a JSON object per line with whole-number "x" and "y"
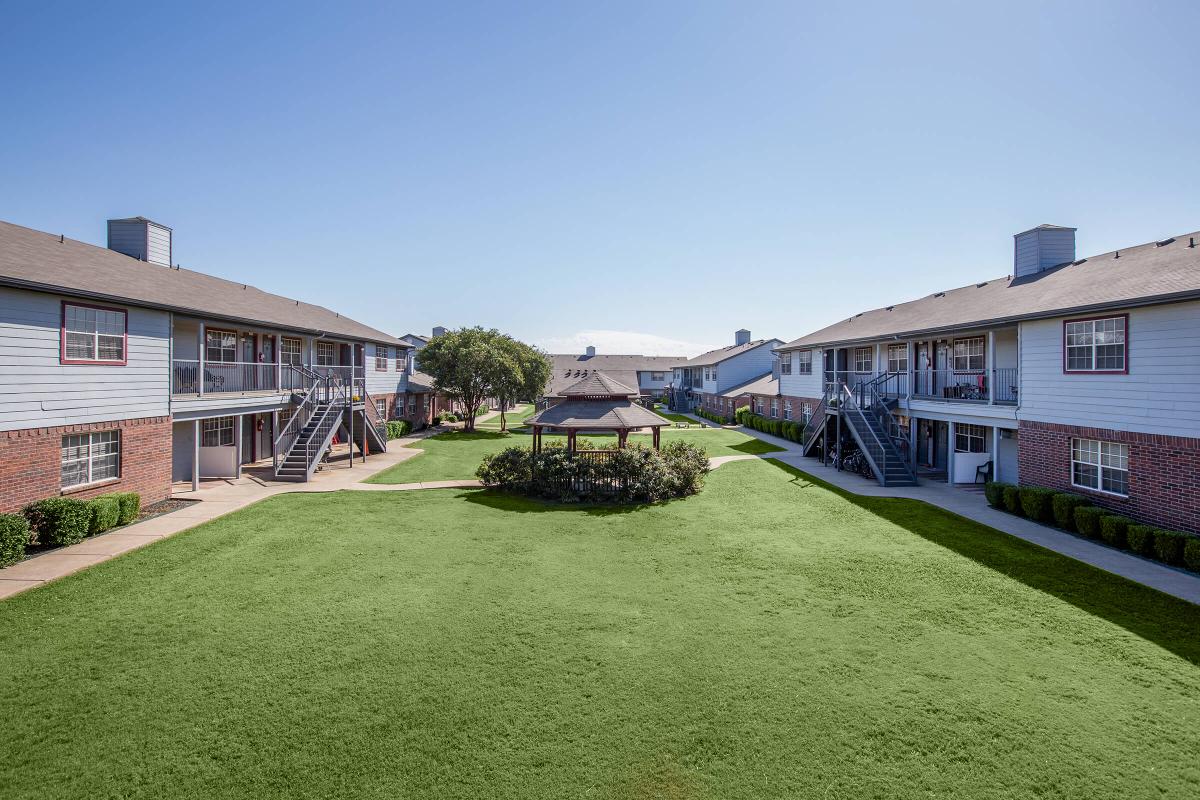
{"x": 854, "y": 407}
{"x": 814, "y": 422}
{"x": 372, "y": 416}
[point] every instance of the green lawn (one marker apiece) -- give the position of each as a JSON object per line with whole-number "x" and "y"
{"x": 766, "y": 638}
{"x": 455, "y": 455}
{"x": 514, "y": 418}
{"x": 662, "y": 412}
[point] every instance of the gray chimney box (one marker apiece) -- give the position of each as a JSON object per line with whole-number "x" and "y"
{"x": 438, "y": 331}
{"x": 741, "y": 337}
{"x": 1041, "y": 248}
{"x": 591, "y": 351}
{"x": 141, "y": 238}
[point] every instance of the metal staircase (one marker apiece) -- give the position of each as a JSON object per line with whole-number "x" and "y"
{"x": 814, "y": 427}
{"x": 865, "y": 410}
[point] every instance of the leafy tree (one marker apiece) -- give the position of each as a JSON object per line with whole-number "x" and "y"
{"x": 470, "y": 365}
{"x": 527, "y": 381}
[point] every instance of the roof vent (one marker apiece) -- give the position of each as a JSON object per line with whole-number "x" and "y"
{"x": 889, "y": 308}
{"x": 1164, "y": 242}
{"x": 940, "y": 294}
{"x": 981, "y": 285}
{"x": 1078, "y": 262}
{"x": 141, "y": 238}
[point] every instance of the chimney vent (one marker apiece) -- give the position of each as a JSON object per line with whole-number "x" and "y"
{"x": 741, "y": 337}
{"x": 141, "y": 238}
{"x": 591, "y": 351}
{"x": 1041, "y": 248}
{"x": 438, "y": 331}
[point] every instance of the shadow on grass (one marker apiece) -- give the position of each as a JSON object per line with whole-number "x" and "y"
{"x": 1167, "y": 621}
{"x": 521, "y": 504}
{"x": 756, "y": 447}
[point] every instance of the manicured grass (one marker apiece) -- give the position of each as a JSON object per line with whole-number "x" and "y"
{"x": 456, "y": 455}
{"x": 765, "y": 638}
{"x": 514, "y": 418}
{"x": 662, "y": 412}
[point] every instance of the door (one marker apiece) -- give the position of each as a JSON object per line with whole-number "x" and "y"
{"x": 249, "y": 358}
{"x": 266, "y": 356}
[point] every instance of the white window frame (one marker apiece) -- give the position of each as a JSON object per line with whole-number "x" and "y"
{"x": 94, "y": 328}
{"x": 289, "y": 356}
{"x": 774, "y": 408}
{"x": 86, "y": 449}
{"x": 325, "y": 354}
{"x": 864, "y": 360}
{"x": 381, "y": 407}
{"x": 968, "y": 436}
{"x": 787, "y": 409}
{"x": 1090, "y": 336}
{"x": 972, "y": 354}
{"x": 218, "y": 343}
{"x": 217, "y": 427}
{"x": 897, "y": 358}
{"x": 804, "y": 362}
{"x": 785, "y": 363}
{"x": 1106, "y": 459}
{"x": 381, "y": 358}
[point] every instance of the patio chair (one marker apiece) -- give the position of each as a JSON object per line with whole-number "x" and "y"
{"x": 214, "y": 380}
{"x": 985, "y": 470}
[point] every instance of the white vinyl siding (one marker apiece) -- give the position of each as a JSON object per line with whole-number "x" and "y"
{"x": 1101, "y": 466}
{"x": 90, "y": 458}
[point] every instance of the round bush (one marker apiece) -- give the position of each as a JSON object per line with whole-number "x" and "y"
{"x": 1191, "y": 553}
{"x": 1112, "y": 529}
{"x": 106, "y": 513}
{"x": 131, "y": 504}
{"x": 994, "y": 492}
{"x": 59, "y": 520}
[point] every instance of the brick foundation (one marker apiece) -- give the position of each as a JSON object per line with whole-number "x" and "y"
{"x": 1164, "y": 471}
{"x": 798, "y": 404}
{"x": 31, "y": 462}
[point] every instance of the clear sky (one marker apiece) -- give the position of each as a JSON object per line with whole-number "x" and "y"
{"x": 607, "y": 172}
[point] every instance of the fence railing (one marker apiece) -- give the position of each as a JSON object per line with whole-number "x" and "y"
{"x": 217, "y": 377}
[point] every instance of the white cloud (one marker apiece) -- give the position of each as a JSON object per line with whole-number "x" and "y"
{"x": 623, "y": 343}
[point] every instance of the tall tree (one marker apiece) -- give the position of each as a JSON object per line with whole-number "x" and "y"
{"x": 470, "y": 365}
{"x": 527, "y": 381}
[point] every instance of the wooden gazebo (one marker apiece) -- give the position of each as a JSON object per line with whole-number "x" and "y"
{"x": 596, "y": 403}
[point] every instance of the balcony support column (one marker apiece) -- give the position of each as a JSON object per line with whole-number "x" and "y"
{"x": 991, "y": 366}
{"x": 995, "y": 453}
{"x": 200, "y": 341}
{"x": 196, "y": 455}
{"x": 239, "y": 434}
{"x": 910, "y": 377}
{"x": 950, "y": 454}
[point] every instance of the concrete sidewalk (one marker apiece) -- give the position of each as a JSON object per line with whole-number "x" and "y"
{"x": 973, "y": 505}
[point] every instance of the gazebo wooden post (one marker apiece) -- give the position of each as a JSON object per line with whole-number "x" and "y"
{"x": 571, "y": 440}
{"x": 537, "y": 438}
{"x": 657, "y": 432}
{"x": 622, "y": 436}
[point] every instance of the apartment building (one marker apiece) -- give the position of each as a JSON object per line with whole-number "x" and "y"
{"x": 125, "y": 372}
{"x": 649, "y": 374}
{"x": 704, "y": 381}
{"x": 1080, "y": 374}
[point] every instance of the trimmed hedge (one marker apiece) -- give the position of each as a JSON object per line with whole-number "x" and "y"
{"x": 1036, "y": 503}
{"x": 14, "y": 535}
{"x": 59, "y": 520}
{"x": 1140, "y": 539}
{"x": 1012, "y": 500}
{"x": 1064, "y": 505}
{"x": 397, "y": 428}
{"x": 783, "y": 428}
{"x": 131, "y": 505}
{"x": 717, "y": 418}
{"x": 1113, "y": 528}
{"x": 1087, "y": 521}
{"x": 994, "y": 492}
{"x": 1168, "y": 546}
{"x": 105, "y": 513}
{"x": 1191, "y": 553}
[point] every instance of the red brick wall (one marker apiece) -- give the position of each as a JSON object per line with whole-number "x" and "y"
{"x": 31, "y": 462}
{"x": 797, "y": 405}
{"x": 1164, "y": 471}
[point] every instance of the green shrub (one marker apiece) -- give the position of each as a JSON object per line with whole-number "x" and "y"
{"x": 1191, "y": 553}
{"x": 1012, "y": 500}
{"x": 1113, "y": 528}
{"x": 1140, "y": 539}
{"x": 397, "y": 428}
{"x": 994, "y": 492}
{"x": 1087, "y": 521}
{"x": 131, "y": 506}
{"x": 742, "y": 415}
{"x": 59, "y": 520}
{"x": 1168, "y": 546}
{"x": 14, "y": 535}
{"x": 1037, "y": 503}
{"x": 105, "y": 513}
{"x": 1063, "y": 505}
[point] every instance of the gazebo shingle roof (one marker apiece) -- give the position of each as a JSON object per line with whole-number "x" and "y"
{"x": 614, "y": 413}
{"x": 598, "y": 384}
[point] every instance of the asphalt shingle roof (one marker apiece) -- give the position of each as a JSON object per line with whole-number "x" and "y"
{"x": 588, "y": 414}
{"x": 721, "y": 354}
{"x": 569, "y": 369}
{"x": 36, "y": 260}
{"x": 763, "y": 384}
{"x": 598, "y": 384}
{"x": 1152, "y": 272}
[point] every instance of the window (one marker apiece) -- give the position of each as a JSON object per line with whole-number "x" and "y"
{"x": 1103, "y": 466}
{"x": 381, "y": 358}
{"x": 657, "y": 376}
{"x": 970, "y": 438}
{"x": 93, "y": 335}
{"x": 785, "y": 363}
{"x": 804, "y": 362}
{"x": 90, "y": 458}
{"x": 774, "y": 408}
{"x": 787, "y": 409}
{"x": 968, "y": 354}
{"x": 714, "y": 373}
{"x": 1095, "y": 345}
{"x": 216, "y": 432}
{"x": 325, "y": 354}
{"x": 863, "y": 359}
{"x": 290, "y": 351}
{"x": 381, "y": 407}
{"x": 897, "y": 355}
{"x": 220, "y": 346}
{"x": 412, "y": 404}
{"x": 806, "y": 413}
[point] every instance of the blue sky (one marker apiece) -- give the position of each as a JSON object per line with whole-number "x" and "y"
{"x": 608, "y": 172}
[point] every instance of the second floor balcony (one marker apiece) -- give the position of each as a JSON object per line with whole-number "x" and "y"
{"x": 195, "y": 378}
{"x": 998, "y": 385}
